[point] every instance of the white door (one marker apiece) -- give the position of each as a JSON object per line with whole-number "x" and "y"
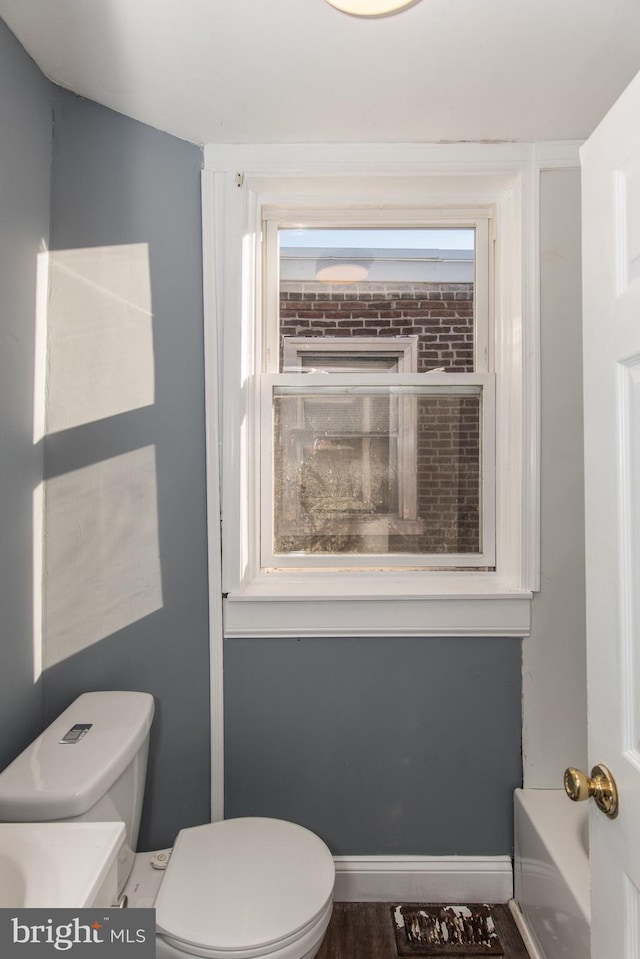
{"x": 611, "y": 306}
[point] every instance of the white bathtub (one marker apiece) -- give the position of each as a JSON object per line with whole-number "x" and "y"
{"x": 551, "y": 871}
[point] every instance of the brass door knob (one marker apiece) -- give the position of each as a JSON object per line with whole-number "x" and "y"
{"x": 601, "y": 785}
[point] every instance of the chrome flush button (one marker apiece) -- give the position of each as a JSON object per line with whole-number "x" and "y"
{"x": 76, "y": 733}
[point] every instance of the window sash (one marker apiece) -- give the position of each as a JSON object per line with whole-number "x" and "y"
{"x": 443, "y": 384}
{"x": 275, "y": 219}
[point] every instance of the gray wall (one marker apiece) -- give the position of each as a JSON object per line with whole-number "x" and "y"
{"x": 25, "y": 168}
{"x": 381, "y": 746}
{"x": 113, "y": 182}
{"x": 117, "y": 182}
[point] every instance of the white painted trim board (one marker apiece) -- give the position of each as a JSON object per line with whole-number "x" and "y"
{"x": 449, "y": 879}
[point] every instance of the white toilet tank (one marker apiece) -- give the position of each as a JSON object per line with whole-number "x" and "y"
{"x": 90, "y": 764}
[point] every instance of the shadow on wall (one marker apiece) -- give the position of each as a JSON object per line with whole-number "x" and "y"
{"x": 124, "y": 564}
{"x": 105, "y": 624}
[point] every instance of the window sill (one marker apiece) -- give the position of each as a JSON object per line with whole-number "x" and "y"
{"x": 377, "y": 604}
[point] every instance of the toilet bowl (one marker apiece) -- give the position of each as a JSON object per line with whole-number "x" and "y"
{"x": 244, "y": 888}
{"x": 236, "y": 889}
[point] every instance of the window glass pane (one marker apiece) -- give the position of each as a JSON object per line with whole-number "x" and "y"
{"x": 347, "y": 362}
{"x": 377, "y": 470}
{"x": 382, "y": 283}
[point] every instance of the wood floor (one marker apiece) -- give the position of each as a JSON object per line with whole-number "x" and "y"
{"x": 364, "y": 930}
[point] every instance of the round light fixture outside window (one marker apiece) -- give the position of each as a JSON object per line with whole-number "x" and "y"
{"x": 371, "y": 8}
{"x": 341, "y": 272}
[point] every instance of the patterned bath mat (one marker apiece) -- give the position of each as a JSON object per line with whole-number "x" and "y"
{"x": 436, "y": 930}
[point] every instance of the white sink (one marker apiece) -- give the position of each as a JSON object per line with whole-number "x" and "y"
{"x": 59, "y": 865}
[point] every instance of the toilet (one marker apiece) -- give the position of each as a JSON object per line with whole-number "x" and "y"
{"x": 236, "y": 889}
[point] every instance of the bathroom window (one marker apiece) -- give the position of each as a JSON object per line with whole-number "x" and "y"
{"x": 377, "y": 433}
{"x": 377, "y": 448}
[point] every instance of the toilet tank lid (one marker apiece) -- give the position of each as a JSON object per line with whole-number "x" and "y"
{"x": 55, "y": 780}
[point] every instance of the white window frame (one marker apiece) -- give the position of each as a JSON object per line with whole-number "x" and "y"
{"x": 477, "y": 219}
{"x": 415, "y": 184}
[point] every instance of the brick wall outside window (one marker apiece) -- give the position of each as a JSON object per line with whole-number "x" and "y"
{"x": 448, "y": 428}
{"x": 440, "y": 314}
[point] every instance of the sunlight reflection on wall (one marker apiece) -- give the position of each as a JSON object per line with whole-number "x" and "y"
{"x": 99, "y": 335}
{"x": 102, "y": 551}
{"x": 101, "y": 540}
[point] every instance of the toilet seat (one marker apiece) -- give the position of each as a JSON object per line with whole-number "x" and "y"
{"x": 244, "y": 888}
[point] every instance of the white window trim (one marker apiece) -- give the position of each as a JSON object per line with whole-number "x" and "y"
{"x": 504, "y": 177}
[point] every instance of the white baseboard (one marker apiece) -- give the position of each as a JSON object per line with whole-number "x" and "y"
{"x": 450, "y": 879}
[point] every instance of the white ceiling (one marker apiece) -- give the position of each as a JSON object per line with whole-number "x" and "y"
{"x": 267, "y": 71}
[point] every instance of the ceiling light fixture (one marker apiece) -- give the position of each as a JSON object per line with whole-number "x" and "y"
{"x": 371, "y": 8}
